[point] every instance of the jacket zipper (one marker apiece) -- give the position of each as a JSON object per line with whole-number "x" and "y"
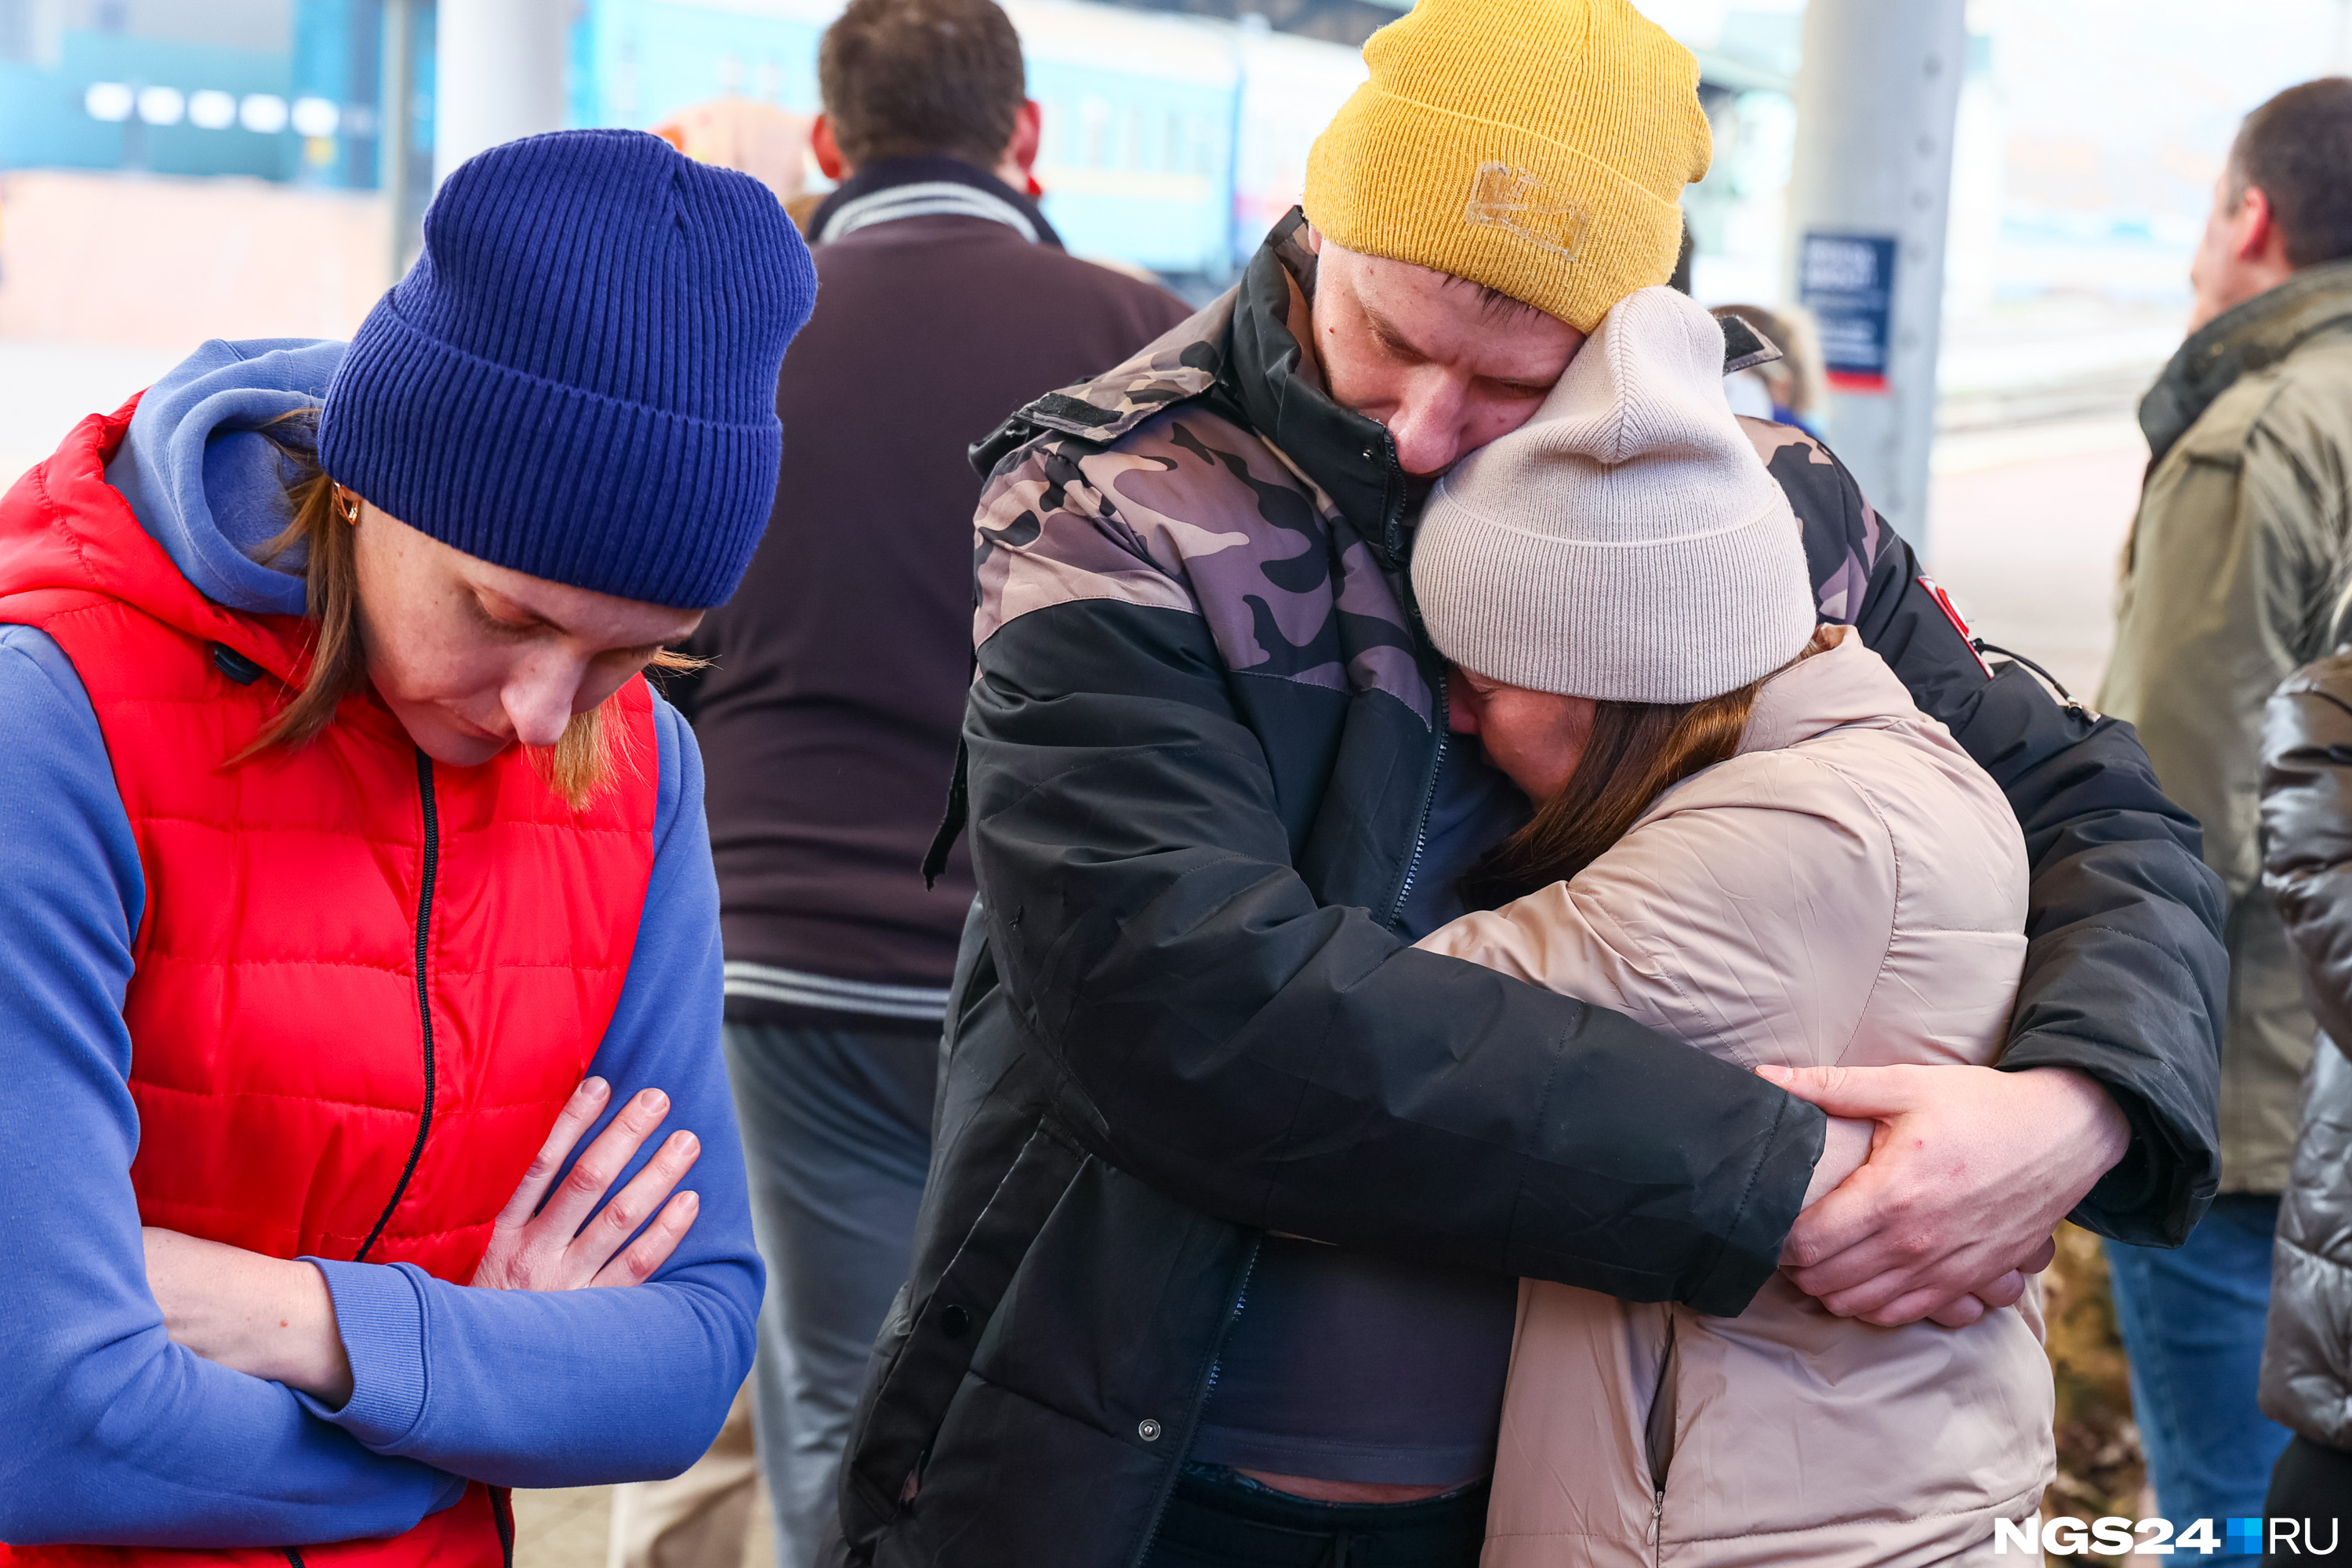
{"x": 1428, "y": 804}
{"x": 423, "y": 991}
{"x": 1393, "y": 537}
{"x": 1216, "y": 1359}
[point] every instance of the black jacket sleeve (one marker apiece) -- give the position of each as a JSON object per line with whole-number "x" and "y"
{"x": 1280, "y": 1062}
{"x": 2307, "y": 830}
{"x": 2125, "y": 972}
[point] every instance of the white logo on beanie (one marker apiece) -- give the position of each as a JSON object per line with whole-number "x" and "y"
{"x": 1510, "y": 199}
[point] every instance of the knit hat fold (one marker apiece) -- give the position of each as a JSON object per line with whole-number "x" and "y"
{"x": 577, "y": 379}
{"x": 1539, "y": 147}
{"x": 1626, "y": 544}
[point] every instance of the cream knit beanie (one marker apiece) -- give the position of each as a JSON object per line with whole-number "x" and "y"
{"x": 1625, "y": 544}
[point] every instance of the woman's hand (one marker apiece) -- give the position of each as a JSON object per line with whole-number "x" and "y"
{"x": 265, "y": 1317}
{"x": 534, "y": 1248}
{"x": 273, "y": 1318}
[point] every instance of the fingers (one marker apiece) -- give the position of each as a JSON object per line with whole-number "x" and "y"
{"x": 637, "y": 1262}
{"x": 1850, "y": 1216}
{"x": 619, "y": 1218}
{"x": 1940, "y": 1304}
{"x": 1900, "y": 1295}
{"x": 1871, "y": 1093}
{"x": 576, "y": 1197}
{"x": 579, "y": 1114}
{"x": 1942, "y": 1292}
{"x": 2043, "y": 1256}
{"x": 1960, "y": 1313}
{"x": 2004, "y": 1291}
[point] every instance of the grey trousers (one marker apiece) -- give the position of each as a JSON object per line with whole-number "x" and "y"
{"x": 836, "y": 1128}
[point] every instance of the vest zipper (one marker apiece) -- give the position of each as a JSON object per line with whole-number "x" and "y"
{"x": 293, "y": 1558}
{"x": 502, "y": 1515}
{"x": 423, "y": 991}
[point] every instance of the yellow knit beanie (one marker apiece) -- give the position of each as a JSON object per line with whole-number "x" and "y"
{"x": 1536, "y": 146}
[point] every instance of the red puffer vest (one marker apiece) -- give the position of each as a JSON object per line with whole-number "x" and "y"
{"x": 364, "y": 984}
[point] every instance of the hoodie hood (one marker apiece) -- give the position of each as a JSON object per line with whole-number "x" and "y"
{"x": 203, "y": 481}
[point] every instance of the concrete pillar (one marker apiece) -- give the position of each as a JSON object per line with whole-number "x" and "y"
{"x": 1876, "y": 100}
{"x": 498, "y": 74}
{"x": 397, "y": 173}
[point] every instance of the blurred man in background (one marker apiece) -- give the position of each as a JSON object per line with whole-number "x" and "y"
{"x": 2236, "y": 573}
{"x": 828, "y": 720}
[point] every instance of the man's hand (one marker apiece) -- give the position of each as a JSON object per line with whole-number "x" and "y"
{"x": 1970, "y": 1170}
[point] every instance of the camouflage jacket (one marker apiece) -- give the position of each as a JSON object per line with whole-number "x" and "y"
{"x": 1202, "y": 743}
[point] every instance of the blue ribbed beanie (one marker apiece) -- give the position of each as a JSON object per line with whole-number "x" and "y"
{"x": 578, "y": 378}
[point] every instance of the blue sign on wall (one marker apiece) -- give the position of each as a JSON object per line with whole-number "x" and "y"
{"x": 1847, "y": 281}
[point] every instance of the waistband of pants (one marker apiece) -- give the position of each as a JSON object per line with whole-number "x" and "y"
{"x": 1219, "y": 1514}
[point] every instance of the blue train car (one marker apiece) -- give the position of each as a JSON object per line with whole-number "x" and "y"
{"x": 636, "y": 61}
{"x": 283, "y": 90}
{"x": 1139, "y": 110}
{"x": 1169, "y": 142}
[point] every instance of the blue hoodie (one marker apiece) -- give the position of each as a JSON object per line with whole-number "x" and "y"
{"x": 117, "y": 1436}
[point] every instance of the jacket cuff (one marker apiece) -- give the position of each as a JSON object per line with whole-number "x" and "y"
{"x": 380, "y": 1315}
{"x": 2157, "y": 1193}
{"x": 1776, "y": 1193}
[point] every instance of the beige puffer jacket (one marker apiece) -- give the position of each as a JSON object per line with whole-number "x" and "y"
{"x": 1849, "y": 888}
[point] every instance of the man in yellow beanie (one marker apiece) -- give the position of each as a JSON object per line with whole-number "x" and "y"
{"x": 1231, "y": 1187}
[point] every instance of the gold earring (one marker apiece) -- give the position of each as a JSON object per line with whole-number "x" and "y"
{"x": 350, "y": 509}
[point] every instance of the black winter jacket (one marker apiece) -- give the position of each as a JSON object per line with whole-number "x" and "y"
{"x": 1201, "y": 749}
{"x": 2307, "y": 1381}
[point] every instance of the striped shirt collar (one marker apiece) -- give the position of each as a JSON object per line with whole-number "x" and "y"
{"x": 889, "y": 189}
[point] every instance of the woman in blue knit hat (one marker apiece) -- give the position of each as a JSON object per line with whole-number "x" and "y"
{"x": 358, "y": 891}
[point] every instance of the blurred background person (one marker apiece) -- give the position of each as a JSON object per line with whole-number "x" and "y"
{"x": 756, "y": 139}
{"x": 1788, "y": 390}
{"x": 2235, "y": 574}
{"x": 2306, "y": 1381}
{"x": 830, "y": 714}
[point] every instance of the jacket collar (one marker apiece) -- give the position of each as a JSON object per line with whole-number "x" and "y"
{"x": 1280, "y": 390}
{"x": 1844, "y": 684}
{"x": 2247, "y": 338}
{"x": 889, "y": 189}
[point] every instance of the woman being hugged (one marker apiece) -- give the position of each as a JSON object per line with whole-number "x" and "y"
{"x": 1746, "y": 835}
{"x": 355, "y": 875}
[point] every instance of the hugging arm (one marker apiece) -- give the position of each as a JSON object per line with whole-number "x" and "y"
{"x": 2125, "y": 972}
{"x": 1281, "y": 1062}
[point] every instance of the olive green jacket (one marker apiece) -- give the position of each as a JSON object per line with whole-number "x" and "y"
{"x": 2238, "y": 572}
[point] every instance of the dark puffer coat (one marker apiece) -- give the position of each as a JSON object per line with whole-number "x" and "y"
{"x": 2307, "y": 866}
